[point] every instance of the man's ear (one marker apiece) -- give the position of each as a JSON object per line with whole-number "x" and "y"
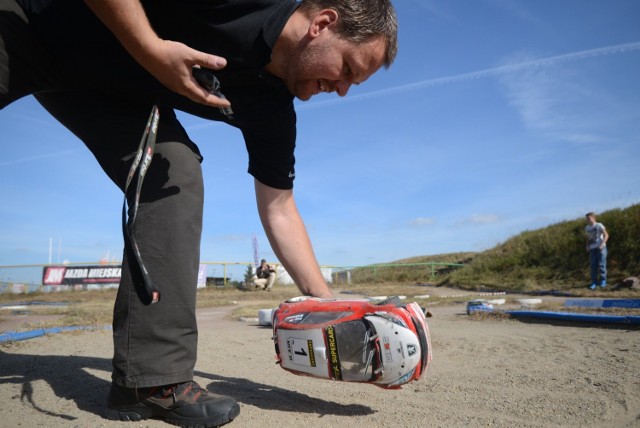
{"x": 322, "y": 21}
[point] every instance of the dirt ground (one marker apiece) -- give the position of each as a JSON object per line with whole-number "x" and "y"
{"x": 485, "y": 372}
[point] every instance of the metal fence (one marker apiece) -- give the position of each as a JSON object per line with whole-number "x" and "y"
{"x": 31, "y": 278}
{"x": 392, "y": 272}
{"x": 20, "y": 279}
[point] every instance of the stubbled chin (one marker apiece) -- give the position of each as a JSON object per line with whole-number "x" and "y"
{"x": 305, "y": 91}
{"x": 303, "y": 95}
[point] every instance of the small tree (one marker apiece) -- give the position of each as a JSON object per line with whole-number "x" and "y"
{"x": 248, "y": 276}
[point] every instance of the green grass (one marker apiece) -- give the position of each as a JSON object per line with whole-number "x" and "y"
{"x": 554, "y": 257}
{"x": 550, "y": 258}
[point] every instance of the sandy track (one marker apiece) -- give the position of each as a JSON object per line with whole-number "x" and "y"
{"x": 485, "y": 372}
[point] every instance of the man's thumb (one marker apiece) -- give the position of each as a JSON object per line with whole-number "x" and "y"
{"x": 214, "y": 62}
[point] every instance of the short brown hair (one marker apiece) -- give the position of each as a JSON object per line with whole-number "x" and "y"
{"x": 362, "y": 20}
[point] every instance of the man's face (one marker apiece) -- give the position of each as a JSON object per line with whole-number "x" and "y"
{"x": 591, "y": 219}
{"x": 328, "y": 63}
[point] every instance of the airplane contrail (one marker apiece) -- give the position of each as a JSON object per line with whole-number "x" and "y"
{"x": 38, "y": 157}
{"x": 504, "y": 69}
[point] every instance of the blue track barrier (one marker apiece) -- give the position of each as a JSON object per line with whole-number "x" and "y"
{"x": 14, "y": 336}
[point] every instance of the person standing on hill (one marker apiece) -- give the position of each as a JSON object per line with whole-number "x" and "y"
{"x": 597, "y": 238}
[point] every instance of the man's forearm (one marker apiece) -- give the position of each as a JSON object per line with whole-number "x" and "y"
{"x": 128, "y": 22}
{"x": 289, "y": 239}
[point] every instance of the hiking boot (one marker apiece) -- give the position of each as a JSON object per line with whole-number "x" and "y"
{"x": 184, "y": 404}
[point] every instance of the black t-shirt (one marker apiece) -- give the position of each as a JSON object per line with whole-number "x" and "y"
{"x": 242, "y": 31}
{"x": 263, "y": 272}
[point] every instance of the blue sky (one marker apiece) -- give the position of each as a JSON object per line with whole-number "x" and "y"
{"x": 497, "y": 117}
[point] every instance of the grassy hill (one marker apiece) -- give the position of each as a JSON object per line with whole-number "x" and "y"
{"x": 553, "y": 257}
{"x": 414, "y": 269}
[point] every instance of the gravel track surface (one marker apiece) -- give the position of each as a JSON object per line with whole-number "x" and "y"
{"x": 485, "y": 372}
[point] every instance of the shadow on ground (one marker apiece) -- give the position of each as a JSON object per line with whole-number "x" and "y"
{"x": 275, "y": 398}
{"x": 66, "y": 375}
{"x": 70, "y": 379}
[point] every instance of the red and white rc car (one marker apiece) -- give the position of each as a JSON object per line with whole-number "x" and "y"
{"x": 386, "y": 343}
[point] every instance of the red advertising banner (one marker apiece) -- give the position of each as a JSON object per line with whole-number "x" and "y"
{"x": 81, "y": 275}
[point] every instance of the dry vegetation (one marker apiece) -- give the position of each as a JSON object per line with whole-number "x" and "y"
{"x": 94, "y": 308}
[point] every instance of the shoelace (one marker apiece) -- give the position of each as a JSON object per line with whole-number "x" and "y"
{"x": 190, "y": 389}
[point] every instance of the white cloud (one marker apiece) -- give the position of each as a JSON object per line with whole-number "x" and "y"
{"x": 476, "y": 220}
{"x": 421, "y": 221}
{"x": 556, "y": 102}
{"x": 483, "y": 218}
{"x": 515, "y": 8}
{"x": 434, "y": 8}
{"x": 232, "y": 238}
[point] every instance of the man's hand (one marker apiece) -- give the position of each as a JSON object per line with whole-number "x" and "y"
{"x": 168, "y": 61}
{"x": 172, "y": 62}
